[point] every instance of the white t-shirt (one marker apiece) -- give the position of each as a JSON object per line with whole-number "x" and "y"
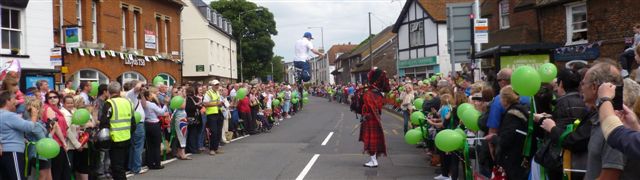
{"x": 132, "y": 95}
{"x": 302, "y": 49}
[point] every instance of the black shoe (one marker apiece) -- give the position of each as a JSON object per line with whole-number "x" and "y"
{"x": 156, "y": 167}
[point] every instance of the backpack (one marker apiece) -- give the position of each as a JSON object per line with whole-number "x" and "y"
{"x": 357, "y": 101}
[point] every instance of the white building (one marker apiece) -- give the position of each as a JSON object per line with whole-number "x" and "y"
{"x": 208, "y": 45}
{"x": 422, "y": 39}
{"x": 27, "y": 28}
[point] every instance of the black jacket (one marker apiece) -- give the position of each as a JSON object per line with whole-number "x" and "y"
{"x": 569, "y": 108}
{"x": 510, "y": 141}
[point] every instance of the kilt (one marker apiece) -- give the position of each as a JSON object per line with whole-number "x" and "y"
{"x": 371, "y": 133}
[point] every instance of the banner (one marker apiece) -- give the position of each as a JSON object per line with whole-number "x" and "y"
{"x": 524, "y": 60}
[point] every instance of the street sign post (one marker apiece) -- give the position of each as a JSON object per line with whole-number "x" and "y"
{"x": 481, "y": 30}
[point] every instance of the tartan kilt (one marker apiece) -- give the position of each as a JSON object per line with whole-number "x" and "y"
{"x": 372, "y": 136}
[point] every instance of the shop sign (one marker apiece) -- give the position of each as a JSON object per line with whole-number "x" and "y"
{"x": 71, "y": 37}
{"x": 56, "y": 56}
{"x": 514, "y": 62}
{"x": 577, "y": 52}
{"x": 149, "y": 39}
{"x": 199, "y": 68}
{"x": 135, "y": 62}
{"x": 417, "y": 62}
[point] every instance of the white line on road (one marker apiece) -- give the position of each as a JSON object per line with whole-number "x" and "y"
{"x": 326, "y": 140}
{"x": 239, "y": 138}
{"x": 308, "y": 167}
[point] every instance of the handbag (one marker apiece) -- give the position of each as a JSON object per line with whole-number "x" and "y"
{"x": 549, "y": 155}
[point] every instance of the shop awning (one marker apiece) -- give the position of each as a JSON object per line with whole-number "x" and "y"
{"x": 518, "y": 48}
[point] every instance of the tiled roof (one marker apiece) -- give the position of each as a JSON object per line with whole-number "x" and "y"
{"x": 341, "y": 48}
{"x": 437, "y": 9}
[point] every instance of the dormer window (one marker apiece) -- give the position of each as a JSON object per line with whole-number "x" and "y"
{"x": 208, "y": 14}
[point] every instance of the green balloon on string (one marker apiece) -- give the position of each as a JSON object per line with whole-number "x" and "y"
{"x": 413, "y": 136}
{"x": 94, "y": 89}
{"x": 176, "y": 102}
{"x": 275, "y": 102}
{"x": 80, "y": 117}
{"x": 305, "y": 94}
{"x": 464, "y": 107}
{"x": 525, "y": 80}
{"x": 449, "y": 140}
{"x": 47, "y": 148}
{"x": 417, "y": 118}
{"x": 305, "y": 100}
{"x": 242, "y": 92}
{"x": 294, "y": 100}
{"x": 158, "y": 80}
{"x": 418, "y": 103}
{"x": 470, "y": 119}
{"x": 401, "y": 89}
{"x": 461, "y": 132}
{"x": 547, "y": 72}
{"x": 281, "y": 95}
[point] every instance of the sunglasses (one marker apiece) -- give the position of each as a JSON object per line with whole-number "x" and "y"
{"x": 53, "y": 97}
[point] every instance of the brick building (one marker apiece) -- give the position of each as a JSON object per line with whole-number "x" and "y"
{"x": 326, "y": 65}
{"x": 558, "y": 31}
{"x": 119, "y": 40}
{"x": 383, "y": 52}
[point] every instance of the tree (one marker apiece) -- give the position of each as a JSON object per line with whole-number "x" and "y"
{"x": 278, "y": 68}
{"x": 253, "y": 27}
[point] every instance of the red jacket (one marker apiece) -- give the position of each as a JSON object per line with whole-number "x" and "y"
{"x": 243, "y": 105}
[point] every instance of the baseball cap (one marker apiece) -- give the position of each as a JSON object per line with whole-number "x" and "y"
{"x": 308, "y": 35}
{"x": 214, "y": 82}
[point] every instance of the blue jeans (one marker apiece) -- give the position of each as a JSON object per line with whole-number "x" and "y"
{"x": 305, "y": 67}
{"x": 202, "y": 132}
{"x": 137, "y": 145}
{"x": 405, "y": 116}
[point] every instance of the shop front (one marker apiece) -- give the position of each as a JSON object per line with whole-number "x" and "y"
{"x": 420, "y": 68}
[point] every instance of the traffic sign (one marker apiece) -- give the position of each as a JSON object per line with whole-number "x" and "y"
{"x": 481, "y": 30}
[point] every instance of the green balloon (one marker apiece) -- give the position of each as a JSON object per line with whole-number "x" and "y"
{"x": 305, "y": 94}
{"x": 158, "y": 80}
{"x": 417, "y": 117}
{"x": 94, "y": 89}
{"x": 281, "y": 95}
{"x": 80, "y": 117}
{"x": 426, "y": 81}
{"x": 305, "y": 100}
{"x": 401, "y": 89}
{"x": 449, "y": 140}
{"x": 294, "y": 94}
{"x": 294, "y": 100}
{"x": 176, "y": 102}
{"x": 418, "y": 103}
{"x": 275, "y": 102}
{"x": 398, "y": 100}
{"x": 470, "y": 119}
{"x": 461, "y": 132}
{"x": 242, "y": 92}
{"x": 525, "y": 81}
{"x": 547, "y": 72}
{"x": 463, "y": 107}
{"x": 137, "y": 117}
{"x": 47, "y": 148}
{"x": 413, "y": 136}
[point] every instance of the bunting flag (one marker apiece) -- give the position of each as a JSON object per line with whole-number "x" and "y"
{"x": 103, "y": 54}
{"x": 81, "y": 52}
{"x": 146, "y": 58}
{"x": 86, "y": 51}
{"x": 155, "y": 58}
{"x": 121, "y": 56}
{"x": 113, "y": 53}
{"x": 131, "y": 57}
{"x": 69, "y": 51}
{"x": 92, "y": 52}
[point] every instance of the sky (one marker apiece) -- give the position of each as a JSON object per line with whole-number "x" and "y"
{"x": 343, "y": 21}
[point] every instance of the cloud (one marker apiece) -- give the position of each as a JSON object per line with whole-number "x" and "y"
{"x": 343, "y": 21}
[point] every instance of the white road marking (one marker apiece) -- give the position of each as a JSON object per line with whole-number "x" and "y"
{"x": 308, "y": 167}
{"x": 326, "y": 140}
{"x": 129, "y": 175}
{"x": 239, "y": 138}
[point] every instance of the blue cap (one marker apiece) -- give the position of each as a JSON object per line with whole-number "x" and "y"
{"x": 308, "y": 35}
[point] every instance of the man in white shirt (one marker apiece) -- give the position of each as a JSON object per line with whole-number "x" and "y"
{"x": 303, "y": 46}
{"x": 138, "y": 137}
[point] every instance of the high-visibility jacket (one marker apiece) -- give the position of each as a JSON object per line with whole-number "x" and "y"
{"x": 215, "y": 97}
{"x": 120, "y": 122}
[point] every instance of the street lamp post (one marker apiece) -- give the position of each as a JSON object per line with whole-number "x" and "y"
{"x": 241, "y": 31}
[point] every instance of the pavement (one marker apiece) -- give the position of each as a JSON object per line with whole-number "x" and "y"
{"x": 295, "y": 150}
